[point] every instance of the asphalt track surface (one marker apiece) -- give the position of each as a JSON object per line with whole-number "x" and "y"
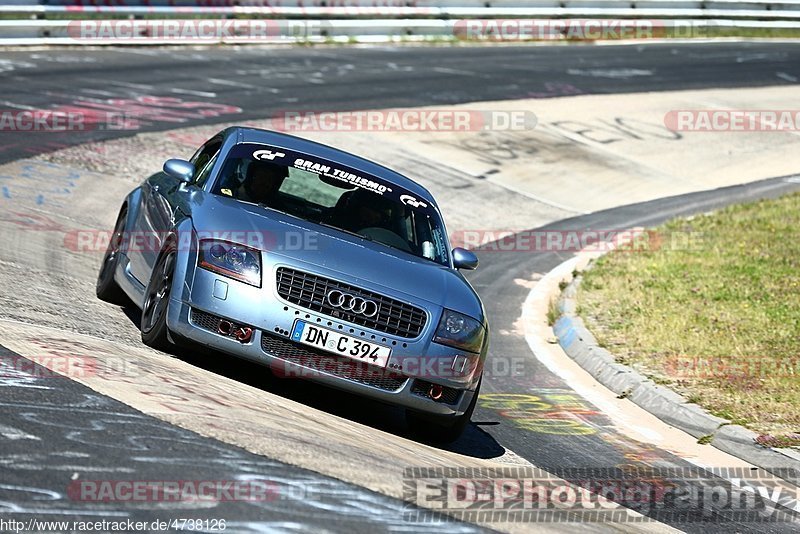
{"x": 593, "y": 443}
{"x": 266, "y": 81}
{"x": 63, "y": 428}
{"x": 86, "y": 431}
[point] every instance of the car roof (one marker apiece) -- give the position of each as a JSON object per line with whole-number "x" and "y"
{"x": 334, "y": 155}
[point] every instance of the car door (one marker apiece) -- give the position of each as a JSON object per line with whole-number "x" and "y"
{"x": 164, "y": 201}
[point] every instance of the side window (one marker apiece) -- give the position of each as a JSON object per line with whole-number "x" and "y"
{"x": 202, "y": 157}
{"x": 201, "y": 176}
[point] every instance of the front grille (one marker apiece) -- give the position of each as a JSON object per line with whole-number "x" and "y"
{"x": 449, "y": 395}
{"x": 310, "y": 292}
{"x": 322, "y": 362}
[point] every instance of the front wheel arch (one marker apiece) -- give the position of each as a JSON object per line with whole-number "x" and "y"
{"x": 157, "y": 296}
{"x": 106, "y": 287}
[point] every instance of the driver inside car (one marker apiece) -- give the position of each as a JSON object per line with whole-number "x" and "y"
{"x": 367, "y": 210}
{"x": 261, "y": 184}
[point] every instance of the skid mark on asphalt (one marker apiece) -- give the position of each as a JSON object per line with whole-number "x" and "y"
{"x": 31, "y": 220}
{"x": 140, "y": 111}
{"x": 556, "y": 89}
{"x": 10, "y": 65}
{"x": 122, "y": 110}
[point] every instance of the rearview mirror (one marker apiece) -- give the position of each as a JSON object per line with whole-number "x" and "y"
{"x": 464, "y": 259}
{"x": 180, "y": 169}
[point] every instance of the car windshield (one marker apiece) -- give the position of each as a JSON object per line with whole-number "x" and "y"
{"x": 335, "y": 196}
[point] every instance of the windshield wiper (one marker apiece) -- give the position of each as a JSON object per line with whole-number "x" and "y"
{"x": 328, "y": 225}
{"x": 265, "y": 206}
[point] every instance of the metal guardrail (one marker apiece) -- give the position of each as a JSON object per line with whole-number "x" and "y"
{"x": 770, "y": 9}
{"x": 346, "y": 20}
{"x": 65, "y": 32}
{"x": 411, "y": 4}
{"x": 408, "y": 12}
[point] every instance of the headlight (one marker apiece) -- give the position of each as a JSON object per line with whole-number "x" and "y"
{"x": 229, "y": 259}
{"x": 458, "y": 330}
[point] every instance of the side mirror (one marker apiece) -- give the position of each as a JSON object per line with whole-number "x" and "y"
{"x": 180, "y": 169}
{"x": 464, "y": 259}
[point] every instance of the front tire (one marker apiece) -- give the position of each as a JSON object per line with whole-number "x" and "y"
{"x": 107, "y": 288}
{"x": 156, "y": 301}
{"x": 440, "y": 429}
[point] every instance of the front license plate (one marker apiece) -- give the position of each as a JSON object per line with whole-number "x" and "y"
{"x": 332, "y": 341}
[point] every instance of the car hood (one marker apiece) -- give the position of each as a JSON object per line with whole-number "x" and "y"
{"x": 354, "y": 260}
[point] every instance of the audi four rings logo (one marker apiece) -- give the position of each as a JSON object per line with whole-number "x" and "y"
{"x": 348, "y": 302}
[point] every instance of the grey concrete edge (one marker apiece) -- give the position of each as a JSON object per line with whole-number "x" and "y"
{"x": 580, "y": 345}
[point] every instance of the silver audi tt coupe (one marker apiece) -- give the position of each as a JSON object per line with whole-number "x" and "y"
{"x": 315, "y": 262}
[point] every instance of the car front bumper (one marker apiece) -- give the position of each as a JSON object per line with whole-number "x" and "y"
{"x": 271, "y": 319}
